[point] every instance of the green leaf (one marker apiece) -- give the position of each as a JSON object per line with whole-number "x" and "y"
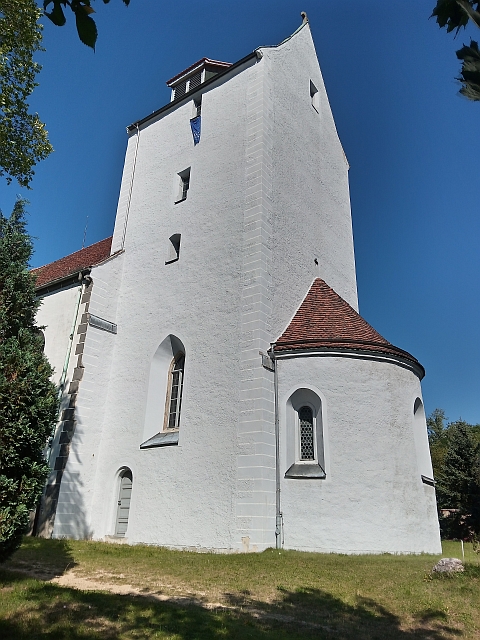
{"x": 470, "y": 11}
{"x": 86, "y": 27}
{"x": 24, "y": 139}
{"x": 449, "y": 14}
{"x": 56, "y": 15}
{"x": 470, "y": 72}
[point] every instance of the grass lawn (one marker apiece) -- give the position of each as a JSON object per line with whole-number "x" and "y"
{"x": 269, "y": 595}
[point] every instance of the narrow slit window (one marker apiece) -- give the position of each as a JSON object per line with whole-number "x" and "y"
{"x": 197, "y": 107}
{"x": 307, "y": 446}
{"x": 173, "y": 251}
{"x": 184, "y": 185}
{"x": 196, "y": 120}
{"x": 314, "y": 97}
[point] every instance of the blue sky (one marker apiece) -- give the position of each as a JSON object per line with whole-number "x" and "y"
{"x": 411, "y": 141}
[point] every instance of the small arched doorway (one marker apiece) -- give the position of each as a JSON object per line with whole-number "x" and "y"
{"x": 123, "y": 508}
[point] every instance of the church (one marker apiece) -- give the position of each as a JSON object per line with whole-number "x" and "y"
{"x": 219, "y": 389}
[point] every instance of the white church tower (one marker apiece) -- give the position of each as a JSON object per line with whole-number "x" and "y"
{"x": 226, "y": 394}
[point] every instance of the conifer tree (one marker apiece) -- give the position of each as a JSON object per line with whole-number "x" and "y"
{"x": 438, "y": 439}
{"x": 458, "y": 485}
{"x": 28, "y": 398}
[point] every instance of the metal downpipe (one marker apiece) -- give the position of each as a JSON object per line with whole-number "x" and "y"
{"x": 278, "y": 511}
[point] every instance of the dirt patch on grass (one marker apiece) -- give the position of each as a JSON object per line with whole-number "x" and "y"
{"x": 72, "y": 580}
{"x": 359, "y": 598}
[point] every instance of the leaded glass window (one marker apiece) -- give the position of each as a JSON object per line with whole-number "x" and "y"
{"x": 307, "y": 449}
{"x": 176, "y": 387}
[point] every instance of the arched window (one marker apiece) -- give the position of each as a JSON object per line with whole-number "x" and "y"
{"x": 174, "y": 394}
{"x": 422, "y": 447}
{"x": 304, "y": 436}
{"x": 165, "y": 392}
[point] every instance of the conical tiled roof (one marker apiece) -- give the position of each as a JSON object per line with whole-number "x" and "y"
{"x": 324, "y": 320}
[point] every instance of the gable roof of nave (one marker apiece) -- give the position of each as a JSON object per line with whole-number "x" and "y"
{"x": 77, "y": 261}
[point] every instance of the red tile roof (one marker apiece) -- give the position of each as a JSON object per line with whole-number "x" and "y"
{"x": 77, "y": 261}
{"x": 200, "y": 63}
{"x": 324, "y": 320}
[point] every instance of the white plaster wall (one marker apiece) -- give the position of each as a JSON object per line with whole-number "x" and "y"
{"x": 124, "y": 198}
{"x": 373, "y": 498}
{"x": 297, "y": 209}
{"x": 56, "y": 313}
{"x": 61, "y": 313}
{"x": 182, "y": 495}
{"x": 255, "y": 500}
{"x": 73, "y": 516}
{"x": 310, "y": 193}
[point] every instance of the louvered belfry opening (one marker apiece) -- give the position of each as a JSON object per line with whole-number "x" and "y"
{"x": 180, "y": 90}
{"x": 195, "y": 75}
{"x": 195, "y": 80}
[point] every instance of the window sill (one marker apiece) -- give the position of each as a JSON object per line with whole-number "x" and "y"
{"x": 430, "y": 481}
{"x": 116, "y": 539}
{"x": 181, "y": 200}
{"x": 162, "y": 439}
{"x": 172, "y": 260}
{"x": 306, "y": 471}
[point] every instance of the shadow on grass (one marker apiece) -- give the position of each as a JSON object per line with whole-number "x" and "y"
{"x": 365, "y": 621}
{"x": 30, "y": 609}
{"x": 56, "y": 558}
{"x": 472, "y": 570}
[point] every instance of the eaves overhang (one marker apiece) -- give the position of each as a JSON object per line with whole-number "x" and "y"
{"x": 73, "y": 278}
{"x": 405, "y": 361}
{"x": 65, "y": 282}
